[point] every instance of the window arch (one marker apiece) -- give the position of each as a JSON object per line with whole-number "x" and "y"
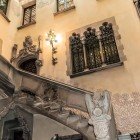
{"x": 29, "y": 65}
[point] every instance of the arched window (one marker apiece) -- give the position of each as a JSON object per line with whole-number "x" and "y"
{"x": 77, "y": 52}
{"x": 109, "y": 47}
{"x": 94, "y": 50}
{"x": 29, "y": 65}
{"x": 4, "y": 5}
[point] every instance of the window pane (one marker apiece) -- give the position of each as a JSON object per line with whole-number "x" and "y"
{"x": 64, "y": 4}
{"x": 29, "y": 14}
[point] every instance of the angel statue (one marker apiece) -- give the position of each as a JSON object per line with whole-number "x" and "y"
{"x": 100, "y": 116}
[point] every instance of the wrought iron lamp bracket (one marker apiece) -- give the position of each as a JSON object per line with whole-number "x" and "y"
{"x": 52, "y": 39}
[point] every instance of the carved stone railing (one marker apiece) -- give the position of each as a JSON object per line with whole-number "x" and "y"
{"x": 41, "y": 86}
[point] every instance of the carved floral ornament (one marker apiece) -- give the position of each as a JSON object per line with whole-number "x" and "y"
{"x": 29, "y": 52}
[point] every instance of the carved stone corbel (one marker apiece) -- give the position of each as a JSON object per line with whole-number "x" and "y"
{"x": 100, "y": 116}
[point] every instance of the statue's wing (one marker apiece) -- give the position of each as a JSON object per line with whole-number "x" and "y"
{"x": 89, "y": 103}
{"x": 106, "y": 101}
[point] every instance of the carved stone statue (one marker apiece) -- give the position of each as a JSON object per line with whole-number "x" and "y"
{"x": 100, "y": 117}
{"x": 14, "y": 53}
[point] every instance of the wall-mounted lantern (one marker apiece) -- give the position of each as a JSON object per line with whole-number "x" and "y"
{"x": 51, "y": 38}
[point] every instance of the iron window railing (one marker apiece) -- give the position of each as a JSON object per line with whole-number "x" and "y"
{"x": 29, "y": 15}
{"x": 93, "y": 50}
{"x": 4, "y": 5}
{"x": 64, "y": 4}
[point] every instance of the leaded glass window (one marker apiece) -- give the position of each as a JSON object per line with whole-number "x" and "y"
{"x": 93, "y": 49}
{"x": 109, "y": 47}
{"x": 4, "y": 5}
{"x": 77, "y": 51}
{"x": 29, "y": 15}
{"x": 64, "y": 4}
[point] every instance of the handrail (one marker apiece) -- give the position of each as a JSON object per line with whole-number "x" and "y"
{"x": 58, "y": 83}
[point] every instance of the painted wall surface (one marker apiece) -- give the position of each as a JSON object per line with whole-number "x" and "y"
{"x": 46, "y": 128}
{"x": 119, "y": 80}
{"x": 9, "y": 29}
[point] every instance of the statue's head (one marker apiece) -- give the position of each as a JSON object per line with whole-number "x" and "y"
{"x": 28, "y": 40}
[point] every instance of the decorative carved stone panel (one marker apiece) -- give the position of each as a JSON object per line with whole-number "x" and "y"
{"x": 28, "y": 58}
{"x": 50, "y": 92}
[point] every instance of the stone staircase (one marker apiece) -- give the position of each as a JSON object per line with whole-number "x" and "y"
{"x": 67, "y": 118}
{"x": 56, "y": 100}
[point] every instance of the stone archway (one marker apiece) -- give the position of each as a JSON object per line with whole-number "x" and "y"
{"x": 29, "y": 65}
{"x": 28, "y": 58}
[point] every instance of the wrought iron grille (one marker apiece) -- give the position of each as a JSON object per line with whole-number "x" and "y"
{"x": 64, "y": 4}
{"x": 4, "y": 5}
{"x": 110, "y": 52}
{"x": 29, "y": 14}
{"x": 77, "y": 52}
{"x": 93, "y": 50}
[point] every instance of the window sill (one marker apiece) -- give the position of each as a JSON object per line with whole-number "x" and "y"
{"x": 65, "y": 10}
{"x": 1, "y": 12}
{"x": 24, "y": 26}
{"x": 96, "y": 69}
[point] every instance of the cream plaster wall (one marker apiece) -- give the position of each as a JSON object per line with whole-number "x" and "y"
{"x": 8, "y": 29}
{"x": 118, "y": 80}
{"x": 46, "y": 128}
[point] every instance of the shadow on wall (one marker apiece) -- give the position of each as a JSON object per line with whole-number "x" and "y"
{"x": 1, "y": 46}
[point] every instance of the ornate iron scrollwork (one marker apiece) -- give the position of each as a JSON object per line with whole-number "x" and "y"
{"x": 108, "y": 42}
{"x": 77, "y": 52}
{"x": 92, "y": 48}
